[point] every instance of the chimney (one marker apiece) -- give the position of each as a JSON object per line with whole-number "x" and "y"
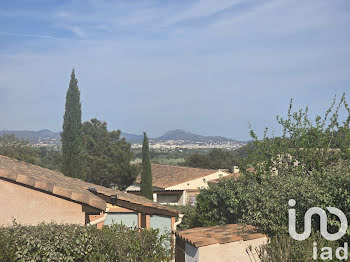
{"x": 235, "y": 169}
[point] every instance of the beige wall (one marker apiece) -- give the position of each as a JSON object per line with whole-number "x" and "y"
{"x": 30, "y": 206}
{"x": 201, "y": 182}
{"x": 230, "y": 252}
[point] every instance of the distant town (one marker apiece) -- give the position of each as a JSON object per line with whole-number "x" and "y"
{"x": 173, "y": 139}
{"x": 178, "y": 144}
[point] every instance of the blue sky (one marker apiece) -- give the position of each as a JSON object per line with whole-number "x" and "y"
{"x": 210, "y": 67}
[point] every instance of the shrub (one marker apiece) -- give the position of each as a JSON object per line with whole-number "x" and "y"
{"x": 282, "y": 248}
{"x": 265, "y": 203}
{"x": 189, "y": 219}
{"x": 53, "y": 242}
{"x": 309, "y": 163}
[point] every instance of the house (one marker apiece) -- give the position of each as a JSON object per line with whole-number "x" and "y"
{"x": 224, "y": 243}
{"x": 230, "y": 176}
{"x": 235, "y": 175}
{"x": 177, "y": 185}
{"x": 31, "y": 194}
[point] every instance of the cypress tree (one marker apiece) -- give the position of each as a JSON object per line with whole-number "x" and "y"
{"x": 72, "y": 135}
{"x": 146, "y": 172}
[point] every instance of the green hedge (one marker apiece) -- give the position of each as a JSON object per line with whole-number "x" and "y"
{"x": 189, "y": 219}
{"x": 53, "y": 242}
{"x": 282, "y": 248}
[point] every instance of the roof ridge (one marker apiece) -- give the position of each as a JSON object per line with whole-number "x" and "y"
{"x": 56, "y": 183}
{"x": 189, "y": 167}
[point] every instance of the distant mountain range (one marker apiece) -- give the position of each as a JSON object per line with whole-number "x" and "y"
{"x": 34, "y": 137}
{"x": 178, "y": 134}
{"x": 131, "y": 138}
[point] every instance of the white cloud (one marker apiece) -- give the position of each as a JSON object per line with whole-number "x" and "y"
{"x": 203, "y": 8}
{"x": 77, "y": 30}
{"x": 278, "y": 17}
{"x": 31, "y": 35}
{"x": 246, "y": 65}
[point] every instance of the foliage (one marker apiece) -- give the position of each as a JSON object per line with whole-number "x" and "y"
{"x": 50, "y": 158}
{"x": 7, "y": 253}
{"x": 18, "y": 148}
{"x": 220, "y": 204}
{"x": 218, "y": 158}
{"x": 53, "y": 242}
{"x": 189, "y": 219}
{"x": 282, "y": 248}
{"x": 168, "y": 161}
{"x": 170, "y": 152}
{"x": 264, "y": 203}
{"x": 72, "y": 135}
{"x": 146, "y": 188}
{"x": 321, "y": 178}
{"x": 305, "y": 145}
{"x": 107, "y": 157}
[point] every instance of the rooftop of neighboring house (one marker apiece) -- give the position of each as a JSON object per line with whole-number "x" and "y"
{"x": 222, "y": 234}
{"x": 164, "y": 176}
{"x": 73, "y": 189}
{"x": 233, "y": 175}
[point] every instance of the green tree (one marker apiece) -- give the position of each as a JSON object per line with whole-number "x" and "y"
{"x": 72, "y": 135}
{"x": 282, "y": 248}
{"x": 19, "y": 149}
{"x": 197, "y": 160}
{"x": 107, "y": 157}
{"x": 309, "y": 163}
{"x": 218, "y": 158}
{"x": 50, "y": 158}
{"x": 305, "y": 145}
{"x": 146, "y": 172}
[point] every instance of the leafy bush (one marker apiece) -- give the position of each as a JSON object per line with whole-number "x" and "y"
{"x": 18, "y": 148}
{"x": 218, "y": 158}
{"x": 305, "y": 145}
{"x": 309, "y": 163}
{"x": 189, "y": 219}
{"x": 21, "y": 149}
{"x": 265, "y": 203}
{"x": 283, "y": 248}
{"x": 53, "y": 242}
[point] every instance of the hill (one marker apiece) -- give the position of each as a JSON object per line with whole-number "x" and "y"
{"x": 131, "y": 138}
{"x": 49, "y": 137}
{"x": 34, "y": 137}
{"x": 179, "y": 134}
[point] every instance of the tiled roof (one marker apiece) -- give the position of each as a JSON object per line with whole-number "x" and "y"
{"x": 250, "y": 169}
{"x": 205, "y": 236}
{"x": 234, "y": 175}
{"x": 72, "y": 188}
{"x": 164, "y": 176}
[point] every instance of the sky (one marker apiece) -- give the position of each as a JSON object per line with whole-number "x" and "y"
{"x": 208, "y": 67}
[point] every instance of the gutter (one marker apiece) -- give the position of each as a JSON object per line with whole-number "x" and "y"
{"x": 101, "y": 219}
{"x": 178, "y": 222}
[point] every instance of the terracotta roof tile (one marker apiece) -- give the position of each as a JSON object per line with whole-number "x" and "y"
{"x": 204, "y": 236}
{"x": 164, "y": 176}
{"x": 71, "y": 188}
